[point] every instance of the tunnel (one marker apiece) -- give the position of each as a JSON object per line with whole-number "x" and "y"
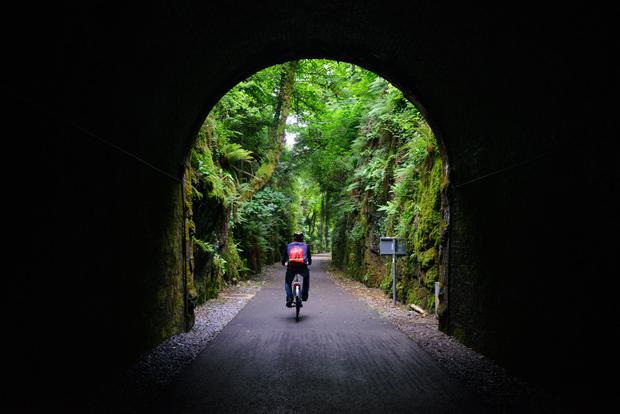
{"x": 103, "y": 104}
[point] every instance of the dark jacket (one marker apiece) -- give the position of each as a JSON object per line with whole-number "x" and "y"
{"x": 285, "y": 255}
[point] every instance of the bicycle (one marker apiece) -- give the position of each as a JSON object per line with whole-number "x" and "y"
{"x": 297, "y": 295}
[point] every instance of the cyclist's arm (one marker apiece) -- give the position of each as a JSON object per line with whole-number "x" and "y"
{"x": 309, "y": 256}
{"x": 284, "y": 256}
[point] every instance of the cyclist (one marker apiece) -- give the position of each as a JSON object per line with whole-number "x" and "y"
{"x": 297, "y": 257}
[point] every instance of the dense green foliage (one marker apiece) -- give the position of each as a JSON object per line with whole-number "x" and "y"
{"x": 237, "y": 222}
{"x": 364, "y": 164}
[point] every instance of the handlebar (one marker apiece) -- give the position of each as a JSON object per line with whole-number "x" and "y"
{"x": 286, "y": 264}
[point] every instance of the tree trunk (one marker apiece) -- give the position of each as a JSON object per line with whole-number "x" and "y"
{"x": 276, "y": 132}
{"x": 326, "y": 221}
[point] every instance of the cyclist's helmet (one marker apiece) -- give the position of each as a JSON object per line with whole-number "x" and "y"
{"x": 298, "y": 237}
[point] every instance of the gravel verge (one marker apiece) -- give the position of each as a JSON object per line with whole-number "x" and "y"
{"x": 482, "y": 376}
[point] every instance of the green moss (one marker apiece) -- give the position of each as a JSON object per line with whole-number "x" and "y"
{"x": 431, "y": 276}
{"x": 459, "y": 333}
{"x": 427, "y": 258}
{"x": 235, "y": 269}
{"x": 430, "y": 302}
{"x": 412, "y": 298}
{"x": 386, "y": 282}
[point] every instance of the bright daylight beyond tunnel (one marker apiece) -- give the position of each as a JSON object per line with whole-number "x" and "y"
{"x": 320, "y": 147}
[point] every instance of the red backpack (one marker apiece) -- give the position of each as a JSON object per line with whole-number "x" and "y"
{"x": 297, "y": 253}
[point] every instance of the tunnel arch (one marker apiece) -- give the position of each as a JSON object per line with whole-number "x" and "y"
{"x": 461, "y": 136}
{"x": 143, "y": 82}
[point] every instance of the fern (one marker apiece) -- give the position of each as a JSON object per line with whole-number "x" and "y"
{"x": 235, "y": 153}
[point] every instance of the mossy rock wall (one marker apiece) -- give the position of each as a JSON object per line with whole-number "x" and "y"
{"x": 419, "y": 218}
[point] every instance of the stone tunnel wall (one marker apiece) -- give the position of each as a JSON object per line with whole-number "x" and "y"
{"x": 519, "y": 100}
{"x": 96, "y": 244}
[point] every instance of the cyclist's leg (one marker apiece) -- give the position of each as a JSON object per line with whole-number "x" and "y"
{"x": 305, "y": 289}
{"x": 288, "y": 280}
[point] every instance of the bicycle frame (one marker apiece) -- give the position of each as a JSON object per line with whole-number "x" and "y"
{"x": 296, "y": 287}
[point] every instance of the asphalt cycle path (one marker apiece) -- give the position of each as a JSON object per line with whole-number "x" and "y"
{"x": 340, "y": 357}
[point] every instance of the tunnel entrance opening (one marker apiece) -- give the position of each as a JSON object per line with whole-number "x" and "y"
{"x": 328, "y": 149}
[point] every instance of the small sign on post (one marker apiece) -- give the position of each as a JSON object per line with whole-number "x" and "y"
{"x": 393, "y": 246}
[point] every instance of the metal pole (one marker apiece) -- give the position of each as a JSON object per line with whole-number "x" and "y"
{"x": 394, "y": 269}
{"x": 436, "y": 297}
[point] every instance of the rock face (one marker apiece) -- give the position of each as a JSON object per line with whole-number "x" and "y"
{"x": 407, "y": 204}
{"x": 104, "y": 106}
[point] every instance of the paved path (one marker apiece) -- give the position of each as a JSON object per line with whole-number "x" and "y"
{"x": 340, "y": 357}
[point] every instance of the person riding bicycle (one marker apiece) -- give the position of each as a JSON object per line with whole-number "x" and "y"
{"x": 297, "y": 257}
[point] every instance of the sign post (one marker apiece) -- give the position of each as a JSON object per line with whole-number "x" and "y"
{"x": 392, "y": 246}
{"x": 436, "y": 298}
{"x": 394, "y": 271}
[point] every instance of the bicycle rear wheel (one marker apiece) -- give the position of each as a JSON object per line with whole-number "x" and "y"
{"x": 297, "y": 303}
